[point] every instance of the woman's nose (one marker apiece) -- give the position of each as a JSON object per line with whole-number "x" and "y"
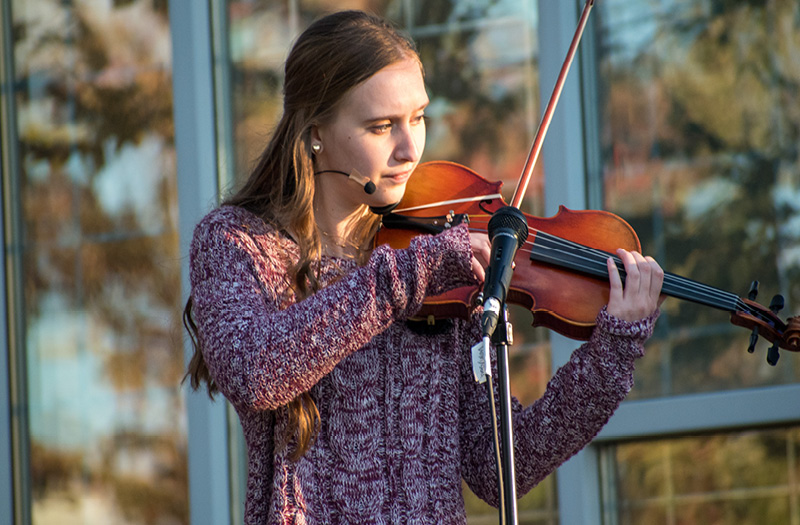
{"x": 410, "y": 144}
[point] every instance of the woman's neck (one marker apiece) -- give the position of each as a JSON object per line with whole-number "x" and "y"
{"x": 335, "y": 225}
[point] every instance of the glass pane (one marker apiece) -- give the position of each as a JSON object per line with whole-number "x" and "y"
{"x": 699, "y": 134}
{"x": 537, "y": 507}
{"x": 482, "y": 74}
{"x": 743, "y": 478}
{"x": 101, "y": 265}
{"x": 260, "y": 34}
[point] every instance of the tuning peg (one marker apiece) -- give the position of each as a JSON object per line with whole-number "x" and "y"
{"x": 777, "y": 304}
{"x": 753, "y": 293}
{"x": 753, "y": 341}
{"x": 773, "y": 355}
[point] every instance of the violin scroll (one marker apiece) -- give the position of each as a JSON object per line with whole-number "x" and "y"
{"x": 792, "y": 334}
{"x": 765, "y": 322}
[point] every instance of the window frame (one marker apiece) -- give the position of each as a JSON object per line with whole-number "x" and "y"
{"x": 198, "y": 190}
{"x": 14, "y": 444}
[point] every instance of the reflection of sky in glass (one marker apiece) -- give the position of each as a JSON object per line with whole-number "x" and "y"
{"x": 630, "y": 28}
{"x": 130, "y": 180}
{"x": 505, "y": 43}
{"x": 708, "y": 196}
{"x": 476, "y": 9}
{"x": 786, "y": 197}
{"x": 73, "y": 404}
{"x": 260, "y": 40}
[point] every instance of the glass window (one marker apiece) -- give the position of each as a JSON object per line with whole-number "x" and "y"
{"x": 747, "y": 478}
{"x": 100, "y": 264}
{"x": 699, "y": 130}
{"x": 481, "y": 70}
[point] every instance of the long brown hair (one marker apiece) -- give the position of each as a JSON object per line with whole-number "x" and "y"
{"x": 331, "y": 57}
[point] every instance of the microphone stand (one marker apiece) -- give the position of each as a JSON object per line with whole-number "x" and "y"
{"x": 502, "y": 338}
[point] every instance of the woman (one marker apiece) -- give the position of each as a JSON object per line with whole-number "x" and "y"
{"x": 351, "y": 414}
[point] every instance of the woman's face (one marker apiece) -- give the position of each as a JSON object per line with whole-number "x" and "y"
{"x": 379, "y": 131}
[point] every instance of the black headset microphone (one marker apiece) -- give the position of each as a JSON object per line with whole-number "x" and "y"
{"x": 355, "y": 176}
{"x": 369, "y": 189}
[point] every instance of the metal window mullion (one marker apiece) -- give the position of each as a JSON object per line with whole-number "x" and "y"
{"x": 226, "y": 179}
{"x": 198, "y": 189}
{"x": 223, "y": 114}
{"x": 564, "y": 156}
{"x": 710, "y": 412}
{"x": 15, "y": 496}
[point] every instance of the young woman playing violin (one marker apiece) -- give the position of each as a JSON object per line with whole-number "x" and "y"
{"x": 351, "y": 414}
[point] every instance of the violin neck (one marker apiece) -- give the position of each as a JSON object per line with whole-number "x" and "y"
{"x": 575, "y": 257}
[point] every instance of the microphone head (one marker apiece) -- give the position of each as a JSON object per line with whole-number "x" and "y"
{"x": 510, "y": 219}
{"x": 369, "y": 186}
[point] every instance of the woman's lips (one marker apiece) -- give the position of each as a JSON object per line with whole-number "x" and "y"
{"x": 399, "y": 178}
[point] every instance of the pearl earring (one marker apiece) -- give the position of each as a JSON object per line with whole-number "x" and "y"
{"x": 316, "y": 148}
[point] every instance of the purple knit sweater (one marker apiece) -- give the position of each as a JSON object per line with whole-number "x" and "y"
{"x": 403, "y": 421}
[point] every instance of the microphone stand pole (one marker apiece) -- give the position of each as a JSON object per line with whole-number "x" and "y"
{"x": 502, "y": 338}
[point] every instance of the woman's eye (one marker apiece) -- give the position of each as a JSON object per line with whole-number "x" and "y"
{"x": 381, "y": 128}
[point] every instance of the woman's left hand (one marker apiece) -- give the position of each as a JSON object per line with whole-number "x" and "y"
{"x": 642, "y": 292}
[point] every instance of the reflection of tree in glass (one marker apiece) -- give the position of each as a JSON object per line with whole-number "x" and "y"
{"x": 701, "y": 146}
{"x": 481, "y": 76}
{"x": 99, "y": 211}
{"x": 740, "y": 478}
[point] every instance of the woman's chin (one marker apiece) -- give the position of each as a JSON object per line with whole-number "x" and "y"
{"x": 385, "y": 198}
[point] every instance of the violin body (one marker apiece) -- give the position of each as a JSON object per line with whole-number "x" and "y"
{"x": 559, "y": 299}
{"x": 560, "y": 272}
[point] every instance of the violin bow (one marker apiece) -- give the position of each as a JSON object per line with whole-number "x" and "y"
{"x": 547, "y": 116}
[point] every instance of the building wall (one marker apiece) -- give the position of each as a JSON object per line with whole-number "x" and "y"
{"x": 681, "y": 117}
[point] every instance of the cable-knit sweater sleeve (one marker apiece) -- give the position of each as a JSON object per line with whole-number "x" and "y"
{"x": 263, "y": 352}
{"x": 578, "y": 401}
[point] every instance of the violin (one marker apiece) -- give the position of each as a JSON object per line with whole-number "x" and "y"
{"x": 560, "y": 272}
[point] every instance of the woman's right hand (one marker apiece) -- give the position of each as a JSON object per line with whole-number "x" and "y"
{"x": 481, "y": 251}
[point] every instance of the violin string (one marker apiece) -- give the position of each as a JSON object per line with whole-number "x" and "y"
{"x": 597, "y": 259}
{"x": 593, "y": 261}
{"x": 672, "y": 284}
{"x": 597, "y": 263}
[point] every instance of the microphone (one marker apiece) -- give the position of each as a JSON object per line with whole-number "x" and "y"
{"x": 369, "y": 186}
{"x": 508, "y": 230}
{"x": 355, "y": 176}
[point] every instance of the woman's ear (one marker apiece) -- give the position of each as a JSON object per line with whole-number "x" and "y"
{"x": 315, "y": 140}
{"x": 314, "y": 134}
